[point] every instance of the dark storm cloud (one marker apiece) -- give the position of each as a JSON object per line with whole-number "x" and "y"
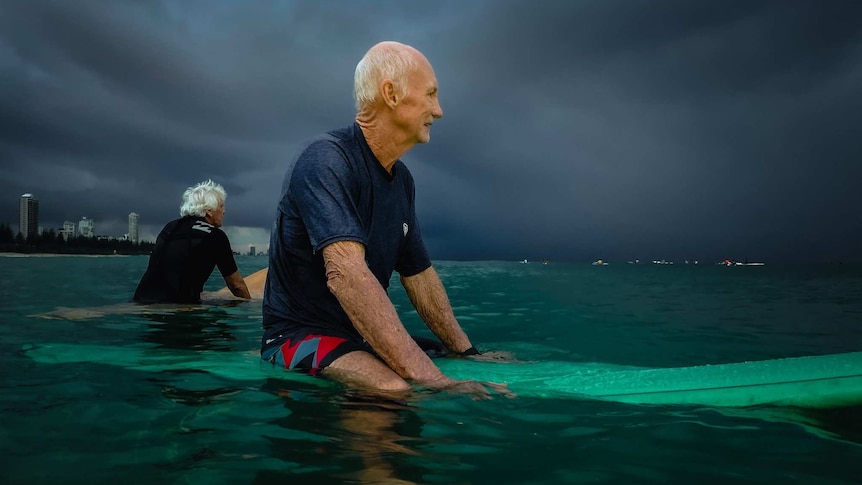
{"x": 639, "y": 130}
{"x": 572, "y": 130}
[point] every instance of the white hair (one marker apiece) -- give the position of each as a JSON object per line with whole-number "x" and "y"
{"x": 204, "y": 196}
{"x": 387, "y": 60}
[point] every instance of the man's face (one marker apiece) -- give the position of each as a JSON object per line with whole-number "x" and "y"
{"x": 420, "y": 106}
{"x": 215, "y": 217}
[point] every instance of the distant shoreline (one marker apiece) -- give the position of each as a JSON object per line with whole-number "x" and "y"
{"x": 61, "y": 255}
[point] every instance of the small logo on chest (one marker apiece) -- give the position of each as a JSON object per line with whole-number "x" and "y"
{"x": 405, "y": 228}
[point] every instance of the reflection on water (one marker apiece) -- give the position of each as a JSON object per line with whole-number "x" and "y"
{"x": 350, "y": 436}
{"x": 198, "y": 397}
{"x": 204, "y": 329}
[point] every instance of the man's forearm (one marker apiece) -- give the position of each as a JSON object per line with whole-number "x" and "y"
{"x": 428, "y": 296}
{"x": 237, "y": 286}
{"x": 374, "y": 316}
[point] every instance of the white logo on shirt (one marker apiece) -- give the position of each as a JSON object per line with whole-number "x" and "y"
{"x": 404, "y": 226}
{"x": 203, "y": 226}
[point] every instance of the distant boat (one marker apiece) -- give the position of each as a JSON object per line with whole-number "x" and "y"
{"x": 523, "y": 262}
{"x": 599, "y": 263}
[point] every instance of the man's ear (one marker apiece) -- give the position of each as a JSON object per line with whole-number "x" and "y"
{"x": 390, "y": 96}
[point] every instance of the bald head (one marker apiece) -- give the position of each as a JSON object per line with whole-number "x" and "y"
{"x": 385, "y": 60}
{"x": 396, "y": 100}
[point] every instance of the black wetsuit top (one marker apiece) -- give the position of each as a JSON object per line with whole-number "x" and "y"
{"x": 187, "y": 250}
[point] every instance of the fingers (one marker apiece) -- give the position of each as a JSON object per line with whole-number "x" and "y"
{"x": 501, "y": 389}
{"x": 480, "y": 390}
{"x": 494, "y": 356}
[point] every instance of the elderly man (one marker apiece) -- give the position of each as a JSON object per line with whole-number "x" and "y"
{"x": 188, "y": 249}
{"x": 346, "y": 220}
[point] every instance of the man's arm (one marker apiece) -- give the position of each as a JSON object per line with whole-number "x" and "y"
{"x": 374, "y": 316}
{"x": 237, "y": 285}
{"x": 428, "y": 296}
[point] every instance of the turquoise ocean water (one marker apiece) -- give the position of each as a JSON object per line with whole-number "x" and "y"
{"x": 100, "y": 414}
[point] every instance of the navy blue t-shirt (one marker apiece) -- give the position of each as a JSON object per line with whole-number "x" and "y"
{"x": 336, "y": 190}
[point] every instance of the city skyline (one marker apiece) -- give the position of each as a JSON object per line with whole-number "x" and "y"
{"x": 28, "y": 223}
{"x": 132, "y": 223}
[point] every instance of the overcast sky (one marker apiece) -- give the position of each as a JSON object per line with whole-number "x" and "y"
{"x": 573, "y": 130}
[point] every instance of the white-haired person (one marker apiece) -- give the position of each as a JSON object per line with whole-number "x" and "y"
{"x": 188, "y": 249}
{"x": 346, "y": 220}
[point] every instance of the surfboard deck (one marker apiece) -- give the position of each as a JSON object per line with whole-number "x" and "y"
{"x": 816, "y": 381}
{"x": 827, "y": 381}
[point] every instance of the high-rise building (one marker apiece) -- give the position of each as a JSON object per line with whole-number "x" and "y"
{"x": 69, "y": 230}
{"x": 87, "y": 227}
{"x": 28, "y": 208}
{"x": 133, "y": 228}
{"x": 252, "y": 250}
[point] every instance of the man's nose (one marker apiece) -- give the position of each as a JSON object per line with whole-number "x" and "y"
{"x": 438, "y": 111}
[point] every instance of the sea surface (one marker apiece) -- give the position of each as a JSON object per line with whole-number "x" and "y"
{"x": 141, "y": 398}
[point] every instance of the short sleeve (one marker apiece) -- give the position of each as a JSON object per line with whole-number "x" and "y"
{"x": 413, "y": 257}
{"x": 324, "y": 193}
{"x": 223, "y": 253}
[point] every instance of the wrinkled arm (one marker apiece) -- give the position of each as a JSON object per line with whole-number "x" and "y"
{"x": 237, "y": 285}
{"x": 428, "y": 295}
{"x": 373, "y": 314}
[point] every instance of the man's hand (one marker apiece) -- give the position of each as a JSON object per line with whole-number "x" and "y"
{"x": 477, "y": 389}
{"x": 493, "y": 356}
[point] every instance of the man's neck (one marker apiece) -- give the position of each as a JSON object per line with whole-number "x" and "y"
{"x": 385, "y": 147}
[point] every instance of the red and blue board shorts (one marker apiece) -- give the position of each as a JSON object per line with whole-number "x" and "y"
{"x": 314, "y": 352}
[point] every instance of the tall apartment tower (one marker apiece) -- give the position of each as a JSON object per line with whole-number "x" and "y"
{"x": 133, "y": 228}
{"x": 28, "y": 208}
{"x": 87, "y": 227}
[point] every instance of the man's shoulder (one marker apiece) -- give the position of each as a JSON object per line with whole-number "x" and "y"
{"x": 336, "y": 145}
{"x": 214, "y": 237}
{"x": 172, "y": 223}
{"x": 343, "y": 137}
{"x": 171, "y": 227}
